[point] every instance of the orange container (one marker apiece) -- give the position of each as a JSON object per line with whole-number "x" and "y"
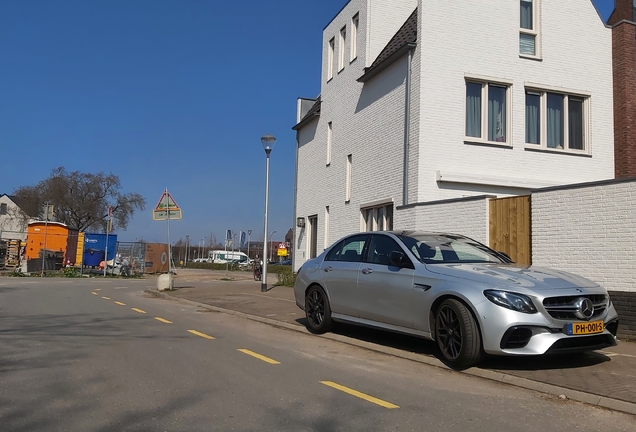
{"x": 53, "y": 236}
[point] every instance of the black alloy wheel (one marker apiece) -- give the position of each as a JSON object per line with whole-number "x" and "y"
{"x": 317, "y": 310}
{"x": 457, "y": 334}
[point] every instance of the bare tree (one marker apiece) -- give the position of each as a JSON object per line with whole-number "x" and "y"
{"x": 81, "y": 199}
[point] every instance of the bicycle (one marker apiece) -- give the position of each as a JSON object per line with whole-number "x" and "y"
{"x": 258, "y": 273}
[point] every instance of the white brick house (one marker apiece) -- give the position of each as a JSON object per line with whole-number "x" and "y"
{"x": 429, "y": 101}
{"x": 13, "y": 221}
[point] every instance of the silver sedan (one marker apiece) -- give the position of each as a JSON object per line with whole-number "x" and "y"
{"x": 446, "y": 287}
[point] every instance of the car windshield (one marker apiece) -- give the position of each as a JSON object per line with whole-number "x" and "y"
{"x": 448, "y": 248}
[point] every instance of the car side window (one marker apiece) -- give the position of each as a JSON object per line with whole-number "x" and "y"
{"x": 352, "y": 248}
{"x": 380, "y": 249}
{"x": 334, "y": 253}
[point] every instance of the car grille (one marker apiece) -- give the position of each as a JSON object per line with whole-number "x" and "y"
{"x": 564, "y": 308}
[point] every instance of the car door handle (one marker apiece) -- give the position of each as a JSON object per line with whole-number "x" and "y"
{"x": 367, "y": 271}
{"x": 422, "y": 286}
{"x": 328, "y": 269}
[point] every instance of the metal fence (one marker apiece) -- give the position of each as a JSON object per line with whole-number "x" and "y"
{"x": 132, "y": 253}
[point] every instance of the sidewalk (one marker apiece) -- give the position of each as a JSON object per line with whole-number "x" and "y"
{"x": 606, "y": 378}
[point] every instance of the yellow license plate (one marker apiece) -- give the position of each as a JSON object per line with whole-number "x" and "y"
{"x": 584, "y": 328}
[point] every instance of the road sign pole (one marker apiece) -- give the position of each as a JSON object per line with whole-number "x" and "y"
{"x": 169, "y": 245}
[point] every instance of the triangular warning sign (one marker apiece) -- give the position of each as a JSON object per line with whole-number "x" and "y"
{"x": 166, "y": 202}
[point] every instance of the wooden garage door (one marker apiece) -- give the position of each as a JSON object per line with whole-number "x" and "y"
{"x": 509, "y": 224}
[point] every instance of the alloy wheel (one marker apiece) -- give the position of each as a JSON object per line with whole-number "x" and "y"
{"x": 316, "y": 310}
{"x": 449, "y": 332}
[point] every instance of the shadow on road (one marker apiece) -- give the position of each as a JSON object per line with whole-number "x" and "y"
{"x": 417, "y": 345}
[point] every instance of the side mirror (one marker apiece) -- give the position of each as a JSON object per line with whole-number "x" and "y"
{"x": 396, "y": 258}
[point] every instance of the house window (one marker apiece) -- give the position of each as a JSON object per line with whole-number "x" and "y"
{"x": 332, "y": 44}
{"x": 3, "y": 209}
{"x": 378, "y": 218}
{"x": 326, "y": 241}
{"x": 312, "y": 245}
{"x": 355, "y": 22}
{"x": 528, "y": 32}
{"x": 341, "y": 48}
{"x": 348, "y": 180}
{"x": 556, "y": 120}
{"x": 486, "y": 111}
{"x": 329, "y": 138}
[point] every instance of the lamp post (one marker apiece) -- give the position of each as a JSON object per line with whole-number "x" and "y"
{"x": 268, "y": 142}
{"x": 203, "y": 250}
{"x": 271, "y": 250}
{"x": 249, "y": 233}
{"x": 187, "y": 246}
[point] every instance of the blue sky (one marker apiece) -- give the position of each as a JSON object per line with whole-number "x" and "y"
{"x": 163, "y": 94}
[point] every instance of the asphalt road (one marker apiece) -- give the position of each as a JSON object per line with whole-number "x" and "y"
{"x": 100, "y": 355}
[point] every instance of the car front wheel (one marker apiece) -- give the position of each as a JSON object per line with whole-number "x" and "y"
{"x": 457, "y": 335}
{"x": 317, "y": 310}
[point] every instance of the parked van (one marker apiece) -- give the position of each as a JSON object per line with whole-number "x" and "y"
{"x": 223, "y": 256}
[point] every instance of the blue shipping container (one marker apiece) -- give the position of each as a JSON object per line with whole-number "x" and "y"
{"x": 97, "y": 242}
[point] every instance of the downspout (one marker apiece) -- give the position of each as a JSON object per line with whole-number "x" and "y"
{"x": 407, "y": 130}
{"x": 295, "y": 228}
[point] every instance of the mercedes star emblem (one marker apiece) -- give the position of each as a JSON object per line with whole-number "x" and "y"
{"x": 584, "y": 308}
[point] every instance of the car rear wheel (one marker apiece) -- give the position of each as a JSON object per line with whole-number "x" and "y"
{"x": 457, "y": 334}
{"x": 317, "y": 310}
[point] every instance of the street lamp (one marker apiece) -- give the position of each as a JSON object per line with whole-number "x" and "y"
{"x": 268, "y": 142}
{"x": 187, "y": 246}
{"x": 249, "y": 233}
{"x": 271, "y": 250}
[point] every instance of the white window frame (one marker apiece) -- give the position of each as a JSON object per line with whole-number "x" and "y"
{"x": 485, "y": 82}
{"x": 353, "y": 50}
{"x": 535, "y": 31}
{"x": 543, "y": 92}
{"x": 377, "y": 217}
{"x": 342, "y": 41}
{"x": 348, "y": 178}
{"x": 329, "y": 141}
{"x": 326, "y": 240}
{"x": 330, "y": 51}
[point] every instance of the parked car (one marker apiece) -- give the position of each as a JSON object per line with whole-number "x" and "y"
{"x": 284, "y": 262}
{"x": 449, "y": 288}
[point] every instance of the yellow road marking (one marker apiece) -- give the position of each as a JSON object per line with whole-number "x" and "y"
{"x": 360, "y": 395}
{"x": 258, "y": 356}
{"x": 163, "y": 320}
{"x": 98, "y": 289}
{"x": 106, "y": 298}
{"x": 138, "y": 310}
{"x": 120, "y": 303}
{"x": 94, "y": 293}
{"x": 203, "y": 335}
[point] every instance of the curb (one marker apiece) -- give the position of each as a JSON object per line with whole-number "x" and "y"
{"x": 575, "y": 395}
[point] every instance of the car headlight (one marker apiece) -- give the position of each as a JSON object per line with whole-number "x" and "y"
{"x": 513, "y": 301}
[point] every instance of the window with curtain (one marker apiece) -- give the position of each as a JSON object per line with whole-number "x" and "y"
{"x": 496, "y": 113}
{"x": 575, "y": 123}
{"x": 528, "y": 28}
{"x": 486, "y": 111}
{"x": 556, "y": 121}
{"x": 533, "y": 118}
{"x": 378, "y": 218}
{"x": 473, "y": 109}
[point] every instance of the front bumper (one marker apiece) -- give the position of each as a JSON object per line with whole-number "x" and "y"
{"x": 506, "y": 332}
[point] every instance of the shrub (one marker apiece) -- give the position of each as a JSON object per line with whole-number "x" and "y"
{"x": 286, "y": 277}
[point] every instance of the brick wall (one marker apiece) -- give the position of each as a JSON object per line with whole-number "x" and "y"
{"x": 625, "y": 304}
{"x": 591, "y": 230}
{"x": 624, "y": 71}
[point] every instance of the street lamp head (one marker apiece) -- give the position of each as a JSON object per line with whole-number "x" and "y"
{"x": 268, "y": 142}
